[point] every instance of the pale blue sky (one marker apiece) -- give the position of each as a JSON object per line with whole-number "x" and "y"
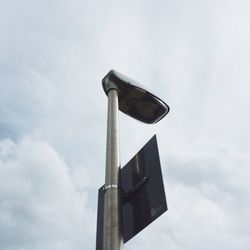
{"x": 193, "y": 54}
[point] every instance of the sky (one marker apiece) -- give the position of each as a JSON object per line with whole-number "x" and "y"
{"x": 193, "y": 54}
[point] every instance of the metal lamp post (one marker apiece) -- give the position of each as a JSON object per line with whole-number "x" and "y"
{"x": 126, "y": 95}
{"x": 112, "y": 239}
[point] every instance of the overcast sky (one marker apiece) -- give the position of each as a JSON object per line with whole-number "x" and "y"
{"x": 53, "y": 55}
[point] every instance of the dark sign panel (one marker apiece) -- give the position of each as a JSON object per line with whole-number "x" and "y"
{"x": 143, "y": 198}
{"x": 142, "y": 182}
{"x": 99, "y": 231}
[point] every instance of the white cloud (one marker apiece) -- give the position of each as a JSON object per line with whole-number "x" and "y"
{"x": 208, "y": 196}
{"x": 40, "y": 206}
{"x": 195, "y": 54}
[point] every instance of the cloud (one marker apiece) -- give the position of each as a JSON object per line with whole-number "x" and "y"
{"x": 40, "y": 206}
{"x": 208, "y": 196}
{"x": 193, "y": 54}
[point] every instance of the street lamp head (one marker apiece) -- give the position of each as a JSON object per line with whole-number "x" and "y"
{"x": 134, "y": 100}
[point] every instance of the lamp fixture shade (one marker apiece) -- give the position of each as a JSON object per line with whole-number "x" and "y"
{"x": 134, "y": 100}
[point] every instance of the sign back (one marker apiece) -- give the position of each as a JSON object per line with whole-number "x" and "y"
{"x": 143, "y": 198}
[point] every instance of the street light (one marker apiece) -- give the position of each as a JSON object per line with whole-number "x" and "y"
{"x": 134, "y": 100}
{"x": 128, "y": 96}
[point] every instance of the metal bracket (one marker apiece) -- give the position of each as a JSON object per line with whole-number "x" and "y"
{"x": 126, "y": 195}
{"x": 105, "y": 188}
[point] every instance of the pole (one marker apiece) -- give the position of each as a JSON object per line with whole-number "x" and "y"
{"x": 112, "y": 236}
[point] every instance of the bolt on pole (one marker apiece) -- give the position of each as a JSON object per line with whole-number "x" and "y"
{"x": 112, "y": 234}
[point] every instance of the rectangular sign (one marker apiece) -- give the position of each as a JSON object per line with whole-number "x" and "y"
{"x": 100, "y": 216}
{"x": 143, "y": 198}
